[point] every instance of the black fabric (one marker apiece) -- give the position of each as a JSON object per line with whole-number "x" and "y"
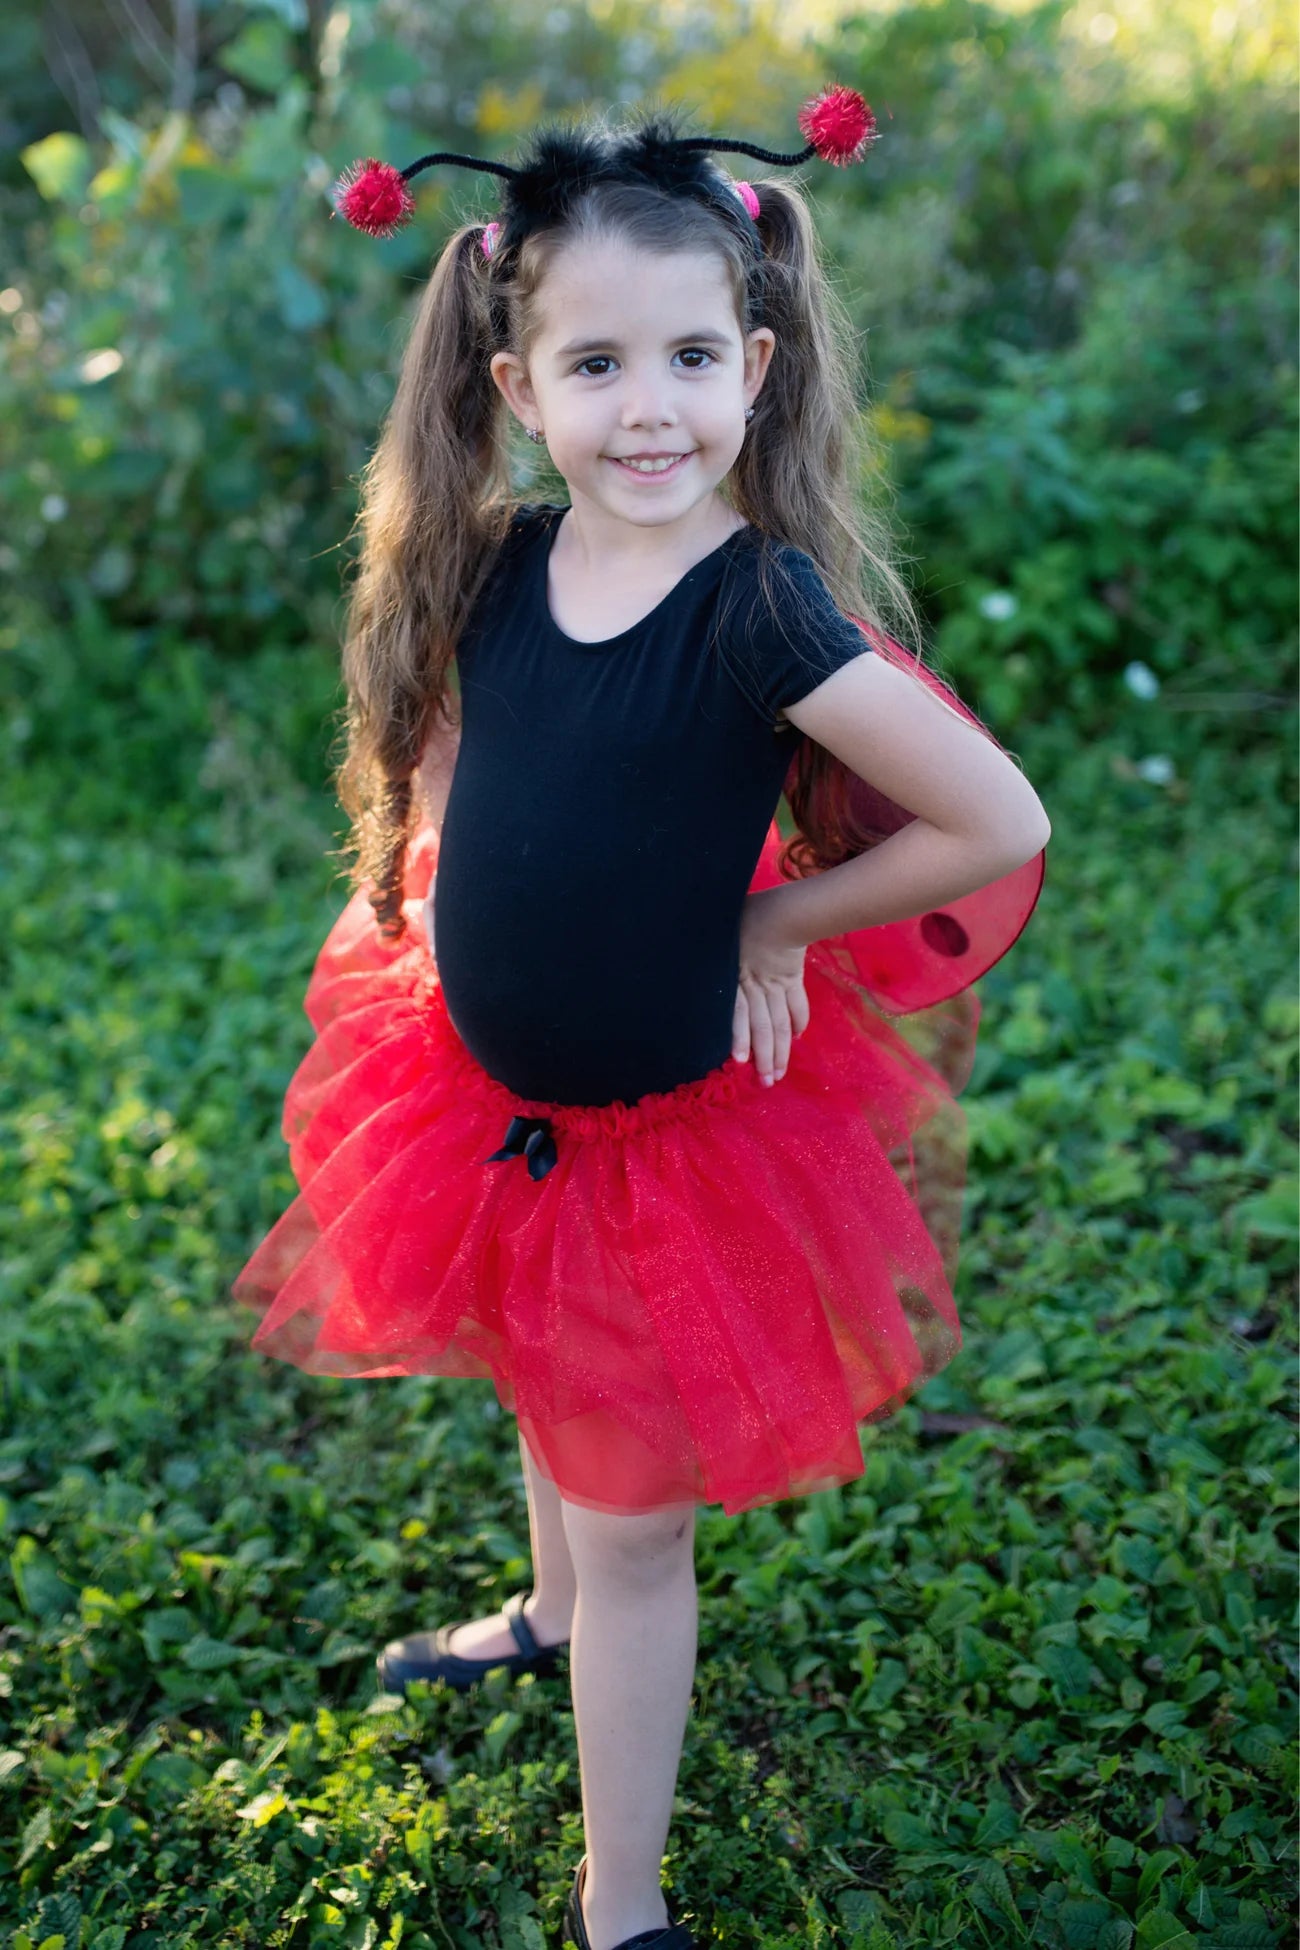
{"x": 607, "y": 809}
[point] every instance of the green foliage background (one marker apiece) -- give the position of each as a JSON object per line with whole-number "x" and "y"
{"x": 1030, "y": 1680}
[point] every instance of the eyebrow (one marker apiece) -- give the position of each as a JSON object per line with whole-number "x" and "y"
{"x": 612, "y": 345}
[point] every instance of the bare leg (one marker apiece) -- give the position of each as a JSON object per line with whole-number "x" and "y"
{"x": 632, "y": 1665}
{"x": 550, "y": 1608}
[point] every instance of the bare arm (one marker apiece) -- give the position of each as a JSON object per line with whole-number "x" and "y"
{"x": 432, "y": 784}
{"x": 433, "y": 774}
{"x": 977, "y": 816}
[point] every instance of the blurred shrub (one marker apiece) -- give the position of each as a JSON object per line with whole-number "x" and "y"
{"x": 1065, "y": 550}
{"x": 1075, "y": 272}
{"x": 185, "y": 403}
{"x": 1072, "y": 259}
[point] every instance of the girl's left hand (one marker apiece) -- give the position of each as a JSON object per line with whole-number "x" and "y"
{"x": 771, "y": 1001}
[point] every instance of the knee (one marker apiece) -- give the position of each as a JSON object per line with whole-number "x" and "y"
{"x": 644, "y": 1548}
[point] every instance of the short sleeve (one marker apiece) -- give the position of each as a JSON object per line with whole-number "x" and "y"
{"x": 783, "y": 634}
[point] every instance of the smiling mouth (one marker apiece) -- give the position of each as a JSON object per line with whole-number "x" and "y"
{"x": 650, "y": 469}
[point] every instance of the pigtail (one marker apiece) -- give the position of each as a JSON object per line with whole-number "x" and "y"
{"x": 434, "y": 506}
{"x": 803, "y": 476}
{"x": 798, "y": 472}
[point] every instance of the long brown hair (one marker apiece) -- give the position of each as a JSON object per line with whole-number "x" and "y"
{"x": 437, "y": 499}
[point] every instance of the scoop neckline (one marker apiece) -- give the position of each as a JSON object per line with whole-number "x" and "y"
{"x": 555, "y": 515}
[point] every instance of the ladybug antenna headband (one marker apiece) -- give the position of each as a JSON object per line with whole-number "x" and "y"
{"x": 375, "y": 197}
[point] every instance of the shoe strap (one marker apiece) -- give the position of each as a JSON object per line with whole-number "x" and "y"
{"x": 513, "y": 1610}
{"x": 673, "y": 1938}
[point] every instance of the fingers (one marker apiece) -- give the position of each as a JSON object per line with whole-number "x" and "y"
{"x": 740, "y": 1028}
{"x": 775, "y": 1016}
{"x": 770, "y": 1028}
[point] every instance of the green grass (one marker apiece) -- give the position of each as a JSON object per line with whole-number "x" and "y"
{"x": 1030, "y": 1681}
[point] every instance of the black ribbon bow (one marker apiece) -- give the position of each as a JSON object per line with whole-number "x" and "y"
{"x": 531, "y": 1138}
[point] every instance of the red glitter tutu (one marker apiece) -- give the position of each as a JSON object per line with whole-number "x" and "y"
{"x": 701, "y": 1296}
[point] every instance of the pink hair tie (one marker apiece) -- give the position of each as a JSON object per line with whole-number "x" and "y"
{"x": 488, "y": 241}
{"x": 746, "y": 194}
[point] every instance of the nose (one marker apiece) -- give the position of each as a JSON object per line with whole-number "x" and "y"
{"x": 647, "y": 401}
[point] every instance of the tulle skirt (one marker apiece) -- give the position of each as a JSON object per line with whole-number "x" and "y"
{"x": 696, "y": 1298}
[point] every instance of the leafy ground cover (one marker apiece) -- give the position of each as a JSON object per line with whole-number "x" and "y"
{"x": 1028, "y": 1681}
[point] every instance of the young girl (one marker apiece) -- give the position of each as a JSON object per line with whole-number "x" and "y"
{"x": 615, "y": 1116}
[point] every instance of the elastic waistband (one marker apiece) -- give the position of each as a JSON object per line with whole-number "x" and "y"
{"x": 581, "y": 1121}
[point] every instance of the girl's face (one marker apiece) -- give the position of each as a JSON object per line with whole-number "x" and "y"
{"x": 638, "y": 356}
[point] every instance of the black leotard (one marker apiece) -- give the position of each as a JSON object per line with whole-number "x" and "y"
{"x": 607, "y": 809}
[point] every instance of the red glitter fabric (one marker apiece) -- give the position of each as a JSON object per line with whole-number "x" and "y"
{"x": 705, "y": 1296}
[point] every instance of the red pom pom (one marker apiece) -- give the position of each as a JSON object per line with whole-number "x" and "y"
{"x": 374, "y": 197}
{"x": 839, "y": 125}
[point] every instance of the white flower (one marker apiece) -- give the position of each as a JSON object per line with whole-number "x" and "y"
{"x": 100, "y": 365}
{"x": 53, "y": 508}
{"x": 998, "y": 605}
{"x": 1141, "y": 680}
{"x": 1156, "y": 770}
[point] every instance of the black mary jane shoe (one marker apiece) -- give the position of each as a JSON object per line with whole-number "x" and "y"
{"x": 675, "y": 1937}
{"x": 425, "y": 1655}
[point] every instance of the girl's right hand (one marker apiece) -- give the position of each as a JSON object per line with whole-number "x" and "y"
{"x": 419, "y": 914}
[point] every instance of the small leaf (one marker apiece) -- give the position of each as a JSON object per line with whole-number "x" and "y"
{"x": 1272, "y": 1214}
{"x": 1165, "y": 1861}
{"x": 260, "y": 55}
{"x": 59, "y": 165}
{"x": 498, "y": 1734}
{"x": 906, "y": 1831}
{"x": 768, "y": 1673}
{"x": 1165, "y": 1718}
{"x": 991, "y": 1879}
{"x": 211, "y": 1655}
{"x": 41, "y": 1591}
{"x": 1159, "y": 1930}
{"x": 263, "y": 1807}
{"x": 60, "y": 1916}
{"x": 36, "y": 1835}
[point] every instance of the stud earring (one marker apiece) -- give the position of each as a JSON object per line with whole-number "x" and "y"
{"x": 535, "y": 434}
{"x": 749, "y": 413}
